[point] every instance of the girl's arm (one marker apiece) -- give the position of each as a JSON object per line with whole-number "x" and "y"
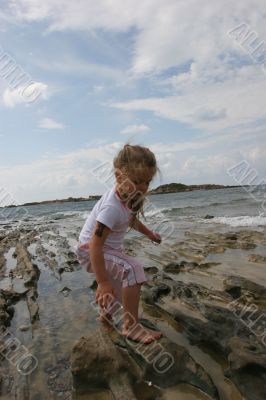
{"x": 140, "y": 227}
{"x": 98, "y": 238}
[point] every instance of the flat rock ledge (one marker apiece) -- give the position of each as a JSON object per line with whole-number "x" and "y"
{"x": 112, "y": 362}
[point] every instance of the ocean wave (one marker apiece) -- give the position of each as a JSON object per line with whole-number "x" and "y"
{"x": 244, "y": 220}
{"x": 176, "y": 209}
{"x": 69, "y": 214}
{"x": 156, "y": 211}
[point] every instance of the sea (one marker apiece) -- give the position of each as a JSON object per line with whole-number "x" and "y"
{"x": 169, "y": 214}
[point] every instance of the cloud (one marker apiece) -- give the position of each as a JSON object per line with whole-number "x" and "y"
{"x": 24, "y": 94}
{"x": 203, "y": 78}
{"x": 49, "y": 123}
{"x": 209, "y": 105}
{"x": 135, "y": 129}
{"x": 204, "y": 160}
{"x": 163, "y": 29}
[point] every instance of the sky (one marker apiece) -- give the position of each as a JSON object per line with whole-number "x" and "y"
{"x": 182, "y": 77}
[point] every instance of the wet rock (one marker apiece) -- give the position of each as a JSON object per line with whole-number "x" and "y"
{"x": 32, "y": 305}
{"x": 29, "y": 271}
{"x": 98, "y": 362}
{"x": 247, "y": 245}
{"x": 257, "y": 258}
{"x": 231, "y": 236}
{"x": 60, "y": 270}
{"x": 208, "y": 264}
{"x": 5, "y": 317}
{"x": 24, "y": 328}
{"x": 247, "y": 368}
{"x": 234, "y": 291}
{"x": 208, "y": 216}
{"x": 151, "y": 270}
{"x": 166, "y": 364}
{"x": 151, "y": 294}
{"x": 65, "y": 291}
{"x": 10, "y": 310}
{"x": 94, "y": 285}
{"x": 10, "y": 294}
{"x": 242, "y": 286}
{"x": 72, "y": 263}
{"x": 215, "y": 249}
{"x": 243, "y": 354}
{"x": 173, "y": 268}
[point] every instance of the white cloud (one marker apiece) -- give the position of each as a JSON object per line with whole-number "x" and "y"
{"x": 169, "y": 33}
{"x": 24, "y": 94}
{"x": 49, "y": 123}
{"x": 59, "y": 176}
{"x": 211, "y": 88}
{"x": 135, "y": 129}
{"x": 211, "y": 106}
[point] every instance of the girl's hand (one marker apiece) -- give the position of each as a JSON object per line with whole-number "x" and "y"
{"x": 155, "y": 237}
{"x": 104, "y": 294}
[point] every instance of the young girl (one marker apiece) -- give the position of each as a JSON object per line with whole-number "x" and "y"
{"x": 100, "y": 249}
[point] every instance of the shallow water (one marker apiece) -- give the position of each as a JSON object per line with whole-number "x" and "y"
{"x": 64, "y": 299}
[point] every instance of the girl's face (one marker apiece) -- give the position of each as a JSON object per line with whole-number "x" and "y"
{"x": 135, "y": 181}
{"x": 142, "y": 179}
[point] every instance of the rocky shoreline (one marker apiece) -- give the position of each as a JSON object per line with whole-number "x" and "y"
{"x": 213, "y": 318}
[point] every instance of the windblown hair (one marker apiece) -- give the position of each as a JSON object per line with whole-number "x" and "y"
{"x": 132, "y": 159}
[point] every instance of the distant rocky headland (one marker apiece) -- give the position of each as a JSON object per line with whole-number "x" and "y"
{"x": 180, "y": 187}
{"x": 167, "y": 188}
{"x": 69, "y": 199}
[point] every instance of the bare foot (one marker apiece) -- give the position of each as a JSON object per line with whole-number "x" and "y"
{"x": 141, "y": 334}
{"x": 107, "y": 321}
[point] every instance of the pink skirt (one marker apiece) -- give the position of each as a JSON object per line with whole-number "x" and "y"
{"x": 122, "y": 269}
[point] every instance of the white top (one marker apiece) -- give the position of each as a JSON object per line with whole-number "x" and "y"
{"x": 111, "y": 212}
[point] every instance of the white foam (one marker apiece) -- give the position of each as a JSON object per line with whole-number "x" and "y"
{"x": 244, "y": 220}
{"x": 155, "y": 211}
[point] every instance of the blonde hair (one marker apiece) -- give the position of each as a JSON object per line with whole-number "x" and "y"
{"x": 131, "y": 159}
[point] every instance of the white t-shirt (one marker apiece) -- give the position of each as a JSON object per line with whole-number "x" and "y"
{"x": 111, "y": 212}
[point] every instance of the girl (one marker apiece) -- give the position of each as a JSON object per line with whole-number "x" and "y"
{"x": 100, "y": 249}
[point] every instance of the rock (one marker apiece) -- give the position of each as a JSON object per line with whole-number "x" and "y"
{"x": 165, "y": 364}
{"x": 30, "y": 272}
{"x": 244, "y": 285}
{"x": 234, "y": 291}
{"x": 24, "y": 328}
{"x": 153, "y": 294}
{"x": 231, "y": 236}
{"x": 247, "y": 245}
{"x": 247, "y": 368}
{"x": 173, "y": 268}
{"x": 244, "y": 354}
{"x": 10, "y": 310}
{"x": 94, "y": 285}
{"x": 151, "y": 270}
{"x": 216, "y": 249}
{"x": 98, "y": 362}
{"x": 257, "y": 258}
{"x": 208, "y": 264}
{"x": 65, "y": 291}
{"x": 208, "y": 216}
{"x": 60, "y": 270}
{"x": 32, "y": 306}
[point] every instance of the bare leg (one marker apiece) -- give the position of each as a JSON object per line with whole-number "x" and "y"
{"x": 132, "y": 329}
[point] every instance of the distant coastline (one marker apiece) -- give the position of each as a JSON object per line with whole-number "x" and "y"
{"x": 162, "y": 189}
{"x": 180, "y": 187}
